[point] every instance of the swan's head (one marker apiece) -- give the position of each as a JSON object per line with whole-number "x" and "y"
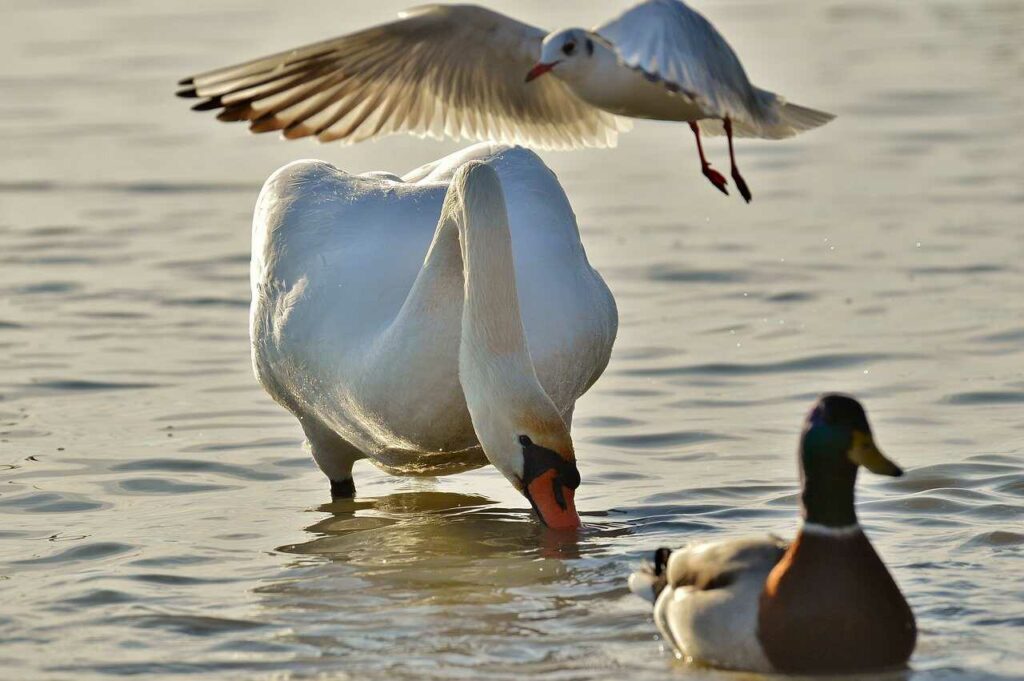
{"x": 566, "y": 50}
{"x": 536, "y": 455}
{"x": 549, "y": 477}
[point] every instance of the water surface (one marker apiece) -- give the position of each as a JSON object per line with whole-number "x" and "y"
{"x": 160, "y": 517}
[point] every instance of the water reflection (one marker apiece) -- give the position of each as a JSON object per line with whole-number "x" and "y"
{"x": 452, "y": 580}
{"x": 439, "y": 529}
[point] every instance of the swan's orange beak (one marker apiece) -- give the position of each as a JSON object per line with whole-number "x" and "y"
{"x": 538, "y": 70}
{"x": 554, "y": 501}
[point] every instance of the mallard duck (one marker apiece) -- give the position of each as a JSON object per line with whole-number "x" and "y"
{"x": 431, "y": 324}
{"x": 823, "y": 603}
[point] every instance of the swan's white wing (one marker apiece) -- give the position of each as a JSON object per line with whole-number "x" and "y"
{"x": 455, "y": 70}
{"x": 670, "y": 42}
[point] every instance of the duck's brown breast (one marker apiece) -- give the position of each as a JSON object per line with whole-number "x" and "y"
{"x": 830, "y": 605}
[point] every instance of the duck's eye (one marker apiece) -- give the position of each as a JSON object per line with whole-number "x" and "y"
{"x": 568, "y": 48}
{"x": 525, "y": 441}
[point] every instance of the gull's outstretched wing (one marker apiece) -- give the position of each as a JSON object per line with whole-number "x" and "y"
{"x": 455, "y": 70}
{"x": 670, "y": 42}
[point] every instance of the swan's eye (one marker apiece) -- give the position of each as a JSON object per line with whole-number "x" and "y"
{"x": 568, "y": 48}
{"x": 525, "y": 441}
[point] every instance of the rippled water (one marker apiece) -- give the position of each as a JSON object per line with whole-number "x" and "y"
{"x": 160, "y": 517}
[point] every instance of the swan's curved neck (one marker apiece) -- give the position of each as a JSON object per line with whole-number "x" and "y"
{"x": 472, "y": 251}
{"x": 472, "y": 248}
{"x": 491, "y": 318}
{"x": 493, "y": 337}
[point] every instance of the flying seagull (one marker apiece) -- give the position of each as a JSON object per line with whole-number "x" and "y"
{"x": 464, "y": 71}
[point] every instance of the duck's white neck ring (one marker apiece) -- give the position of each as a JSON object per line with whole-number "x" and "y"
{"x": 820, "y": 530}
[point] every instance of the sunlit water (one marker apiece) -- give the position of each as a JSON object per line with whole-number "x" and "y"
{"x": 160, "y": 517}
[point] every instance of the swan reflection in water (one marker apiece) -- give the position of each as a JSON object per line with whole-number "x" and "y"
{"x": 437, "y": 575}
{"x": 411, "y": 528}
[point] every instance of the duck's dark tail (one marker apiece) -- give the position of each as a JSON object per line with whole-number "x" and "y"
{"x": 648, "y": 581}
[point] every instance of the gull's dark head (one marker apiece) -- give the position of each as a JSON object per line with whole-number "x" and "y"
{"x": 561, "y": 50}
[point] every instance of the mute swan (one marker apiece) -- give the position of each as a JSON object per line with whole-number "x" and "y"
{"x": 823, "y": 604}
{"x": 459, "y": 70}
{"x": 432, "y": 324}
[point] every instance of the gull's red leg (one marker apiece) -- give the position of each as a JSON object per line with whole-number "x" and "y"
{"x": 741, "y": 184}
{"x": 713, "y": 175}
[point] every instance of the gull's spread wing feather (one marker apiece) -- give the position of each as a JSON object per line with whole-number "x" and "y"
{"x": 439, "y": 70}
{"x": 670, "y": 42}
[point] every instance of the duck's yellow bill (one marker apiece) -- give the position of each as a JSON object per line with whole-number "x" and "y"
{"x": 864, "y": 452}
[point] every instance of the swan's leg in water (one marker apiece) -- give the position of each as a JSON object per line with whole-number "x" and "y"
{"x": 713, "y": 175}
{"x": 346, "y": 489}
{"x": 333, "y": 455}
{"x": 741, "y": 184}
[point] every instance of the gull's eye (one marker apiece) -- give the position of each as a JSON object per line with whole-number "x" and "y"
{"x": 568, "y": 48}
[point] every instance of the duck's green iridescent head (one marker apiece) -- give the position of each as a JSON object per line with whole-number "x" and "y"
{"x": 838, "y": 434}
{"x": 837, "y": 439}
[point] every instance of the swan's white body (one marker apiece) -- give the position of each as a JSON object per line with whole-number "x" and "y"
{"x": 358, "y": 298}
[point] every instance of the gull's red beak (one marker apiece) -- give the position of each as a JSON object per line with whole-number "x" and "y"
{"x": 554, "y": 501}
{"x": 538, "y": 70}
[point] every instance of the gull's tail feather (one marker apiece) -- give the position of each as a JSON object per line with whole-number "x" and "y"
{"x": 789, "y": 119}
{"x": 780, "y": 120}
{"x": 800, "y": 118}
